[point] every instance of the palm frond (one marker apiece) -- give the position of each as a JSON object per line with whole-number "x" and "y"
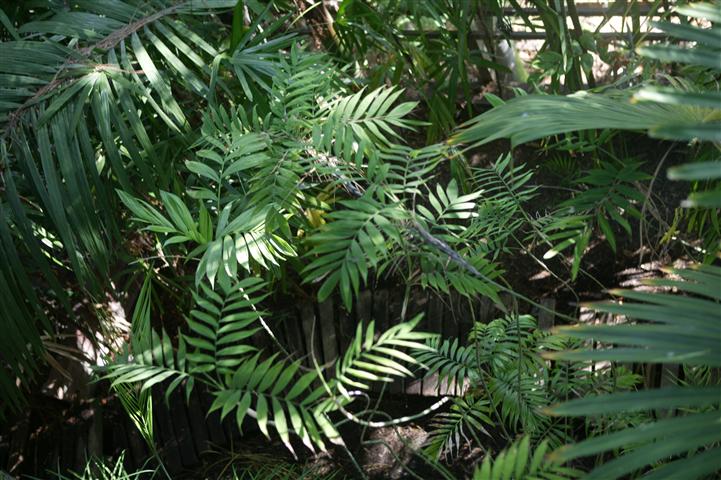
{"x": 350, "y": 244}
{"x": 463, "y": 422}
{"x": 669, "y": 328}
{"x": 380, "y": 359}
{"x": 505, "y": 189}
{"x": 85, "y": 98}
{"x": 273, "y": 393}
{"x": 406, "y": 171}
{"x": 154, "y": 360}
{"x": 610, "y": 194}
{"x": 21, "y": 343}
{"x": 531, "y": 117}
{"x": 519, "y": 461}
{"x": 219, "y": 324}
{"x": 519, "y": 398}
{"x": 451, "y": 361}
{"x": 364, "y": 118}
{"x": 436, "y": 273}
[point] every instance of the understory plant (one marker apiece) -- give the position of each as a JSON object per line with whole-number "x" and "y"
{"x": 192, "y": 162}
{"x": 680, "y": 433}
{"x": 502, "y": 380}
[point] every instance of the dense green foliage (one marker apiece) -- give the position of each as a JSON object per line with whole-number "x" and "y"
{"x": 192, "y": 160}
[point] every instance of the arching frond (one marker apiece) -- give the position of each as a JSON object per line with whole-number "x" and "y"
{"x": 519, "y": 398}
{"x": 505, "y": 188}
{"x": 86, "y": 105}
{"x": 448, "y": 205}
{"x": 519, "y": 461}
{"x": 153, "y": 361}
{"x": 248, "y": 239}
{"x": 350, "y": 244}
{"x": 404, "y": 170}
{"x": 436, "y": 273}
{"x": 273, "y": 393}
{"x": 372, "y": 358}
{"x": 506, "y": 342}
{"x": 451, "y": 361}
{"x": 466, "y": 419}
{"x": 363, "y": 118}
{"x": 682, "y": 328}
{"x": 219, "y": 324}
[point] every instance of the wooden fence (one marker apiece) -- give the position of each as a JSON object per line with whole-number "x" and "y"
{"x": 583, "y": 10}
{"x": 183, "y": 430}
{"x": 325, "y": 330}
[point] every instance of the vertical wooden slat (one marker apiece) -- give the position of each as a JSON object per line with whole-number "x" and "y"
{"x": 276, "y": 323}
{"x": 380, "y": 310}
{"x": 230, "y": 428}
{"x": 546, "y": 319}
{"x": 119, "y": 436}
{"x": 451, "y": 332}
{"x": 394, "y": 306}
{"x": 465, "y": 323}
{"x": 364, "y": 312}
{"x": 507, "y": 300}
{"x": 81, "y": 450}
{"x": 346, "y": 327}
{"x": 465, "y": 316}
{"x": 435, "y": 319}
{"x": 18, "y": 441}
{"x": 212, "y": 420}
{"x": 138, "y": 449}
{"x": 485, "y": 310}
{"x": 132, "y": 462}
{"x": 380, "y": 315}
{"x": 183, "y": 433}
{"x": 198, "y": 426}
{"x": 294, "y": 335}
{"x": 95, "y": 431}
{"x": 39, "y": 451}
{"x": 310, "y": 333}
{"x": 164, "y": 432}
{"x": 67, "y": 440}
{"x": 328, "y": 331}
{"x": 418, "y": 304}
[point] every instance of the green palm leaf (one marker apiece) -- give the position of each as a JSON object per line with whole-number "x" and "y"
{"x": 519, "y": 461}
{"x": 353, "y": 242}
{"x": 380, "y": 359}
{"x": 678, "y": 329}
{"x": 221, "y": 322}
{"x": 84, "y": 90}
{"x": 463, "y": 422}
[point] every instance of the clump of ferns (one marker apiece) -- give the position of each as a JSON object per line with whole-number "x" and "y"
{"x": 503, "y": 382}
{"x": 575, "y": 379}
